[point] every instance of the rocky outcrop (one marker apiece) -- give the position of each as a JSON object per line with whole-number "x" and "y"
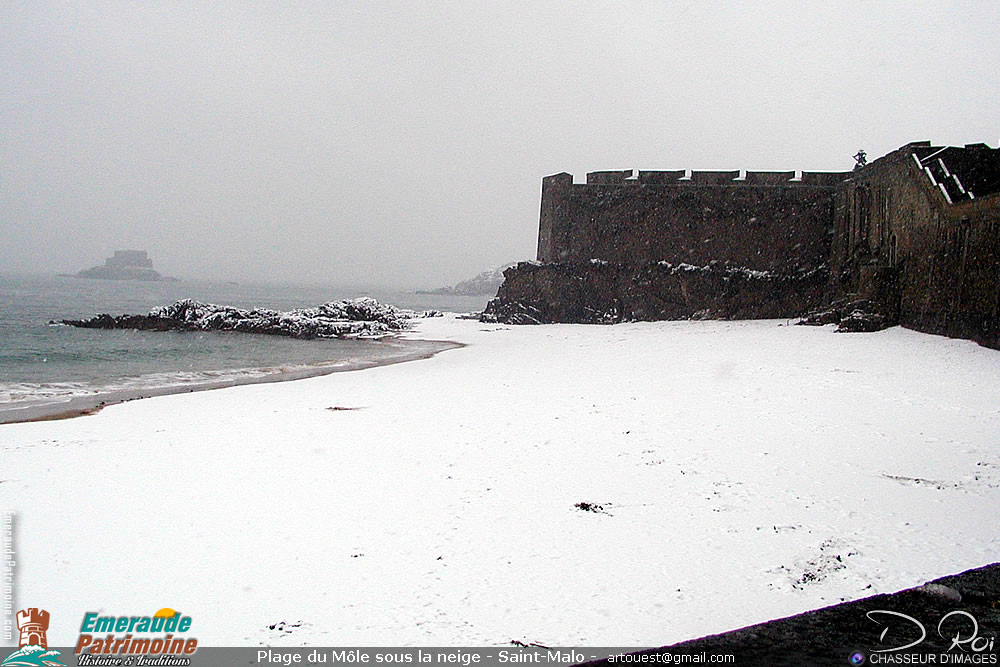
{"x": 603, "y": 292}
{"x": 484, "y": 284}
{"x": 852, "y": 316}
{"x": 337, "y": 319}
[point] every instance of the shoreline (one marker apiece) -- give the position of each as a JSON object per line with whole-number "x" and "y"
{"x": 90, "y": 404}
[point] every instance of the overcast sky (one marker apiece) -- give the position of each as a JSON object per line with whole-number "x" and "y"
{"x": 403, "y": 144}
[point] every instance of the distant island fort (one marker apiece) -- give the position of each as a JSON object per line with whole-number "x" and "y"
{"x": 125, "y": 265}
{"x": 912, "y": 238}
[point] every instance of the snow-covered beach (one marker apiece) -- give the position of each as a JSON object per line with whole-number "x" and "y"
{"x": 631, "y": 485}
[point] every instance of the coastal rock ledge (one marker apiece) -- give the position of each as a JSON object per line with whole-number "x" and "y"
{"x": 602, "y": 292}
{"x": 337, "y": 319}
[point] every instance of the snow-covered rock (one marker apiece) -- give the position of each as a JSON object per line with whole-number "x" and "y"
{"x": 350, "y": 317}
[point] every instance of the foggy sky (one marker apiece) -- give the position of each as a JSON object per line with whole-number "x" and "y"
{"x": 403, "y": 144}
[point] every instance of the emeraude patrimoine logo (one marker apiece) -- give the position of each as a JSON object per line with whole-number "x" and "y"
{"x": 129, "y": 635}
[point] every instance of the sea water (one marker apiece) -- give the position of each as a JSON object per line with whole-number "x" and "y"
{"x": 42, "y": 363}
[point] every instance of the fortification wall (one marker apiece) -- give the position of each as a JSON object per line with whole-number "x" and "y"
{"x": 913, "y": 237}
{"x": 767, "y": 221}
{"x": 928, "y": 261}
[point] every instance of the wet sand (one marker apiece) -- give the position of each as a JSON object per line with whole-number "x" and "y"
{"x": 81, "y": 406}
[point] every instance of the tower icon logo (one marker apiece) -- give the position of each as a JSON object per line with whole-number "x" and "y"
{"x": 33, "y": 647}
{"x": 33, "y": 624}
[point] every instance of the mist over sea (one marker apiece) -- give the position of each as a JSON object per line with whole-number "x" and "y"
{"x": 41, "y": 363}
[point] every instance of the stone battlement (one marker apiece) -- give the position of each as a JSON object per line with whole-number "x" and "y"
{"x": 699, "y": 177}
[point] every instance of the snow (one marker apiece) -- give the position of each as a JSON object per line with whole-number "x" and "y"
{"x": 630, "y": 485}
{"x": 742, "y": 271}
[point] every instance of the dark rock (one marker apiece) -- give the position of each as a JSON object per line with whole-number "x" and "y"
{"x": 598, "y": 292}
{"x": 861, "y": 322}
{"x": 852, "y": 316}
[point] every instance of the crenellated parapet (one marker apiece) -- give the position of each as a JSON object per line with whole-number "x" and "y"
{"x": 689, "y": 177}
